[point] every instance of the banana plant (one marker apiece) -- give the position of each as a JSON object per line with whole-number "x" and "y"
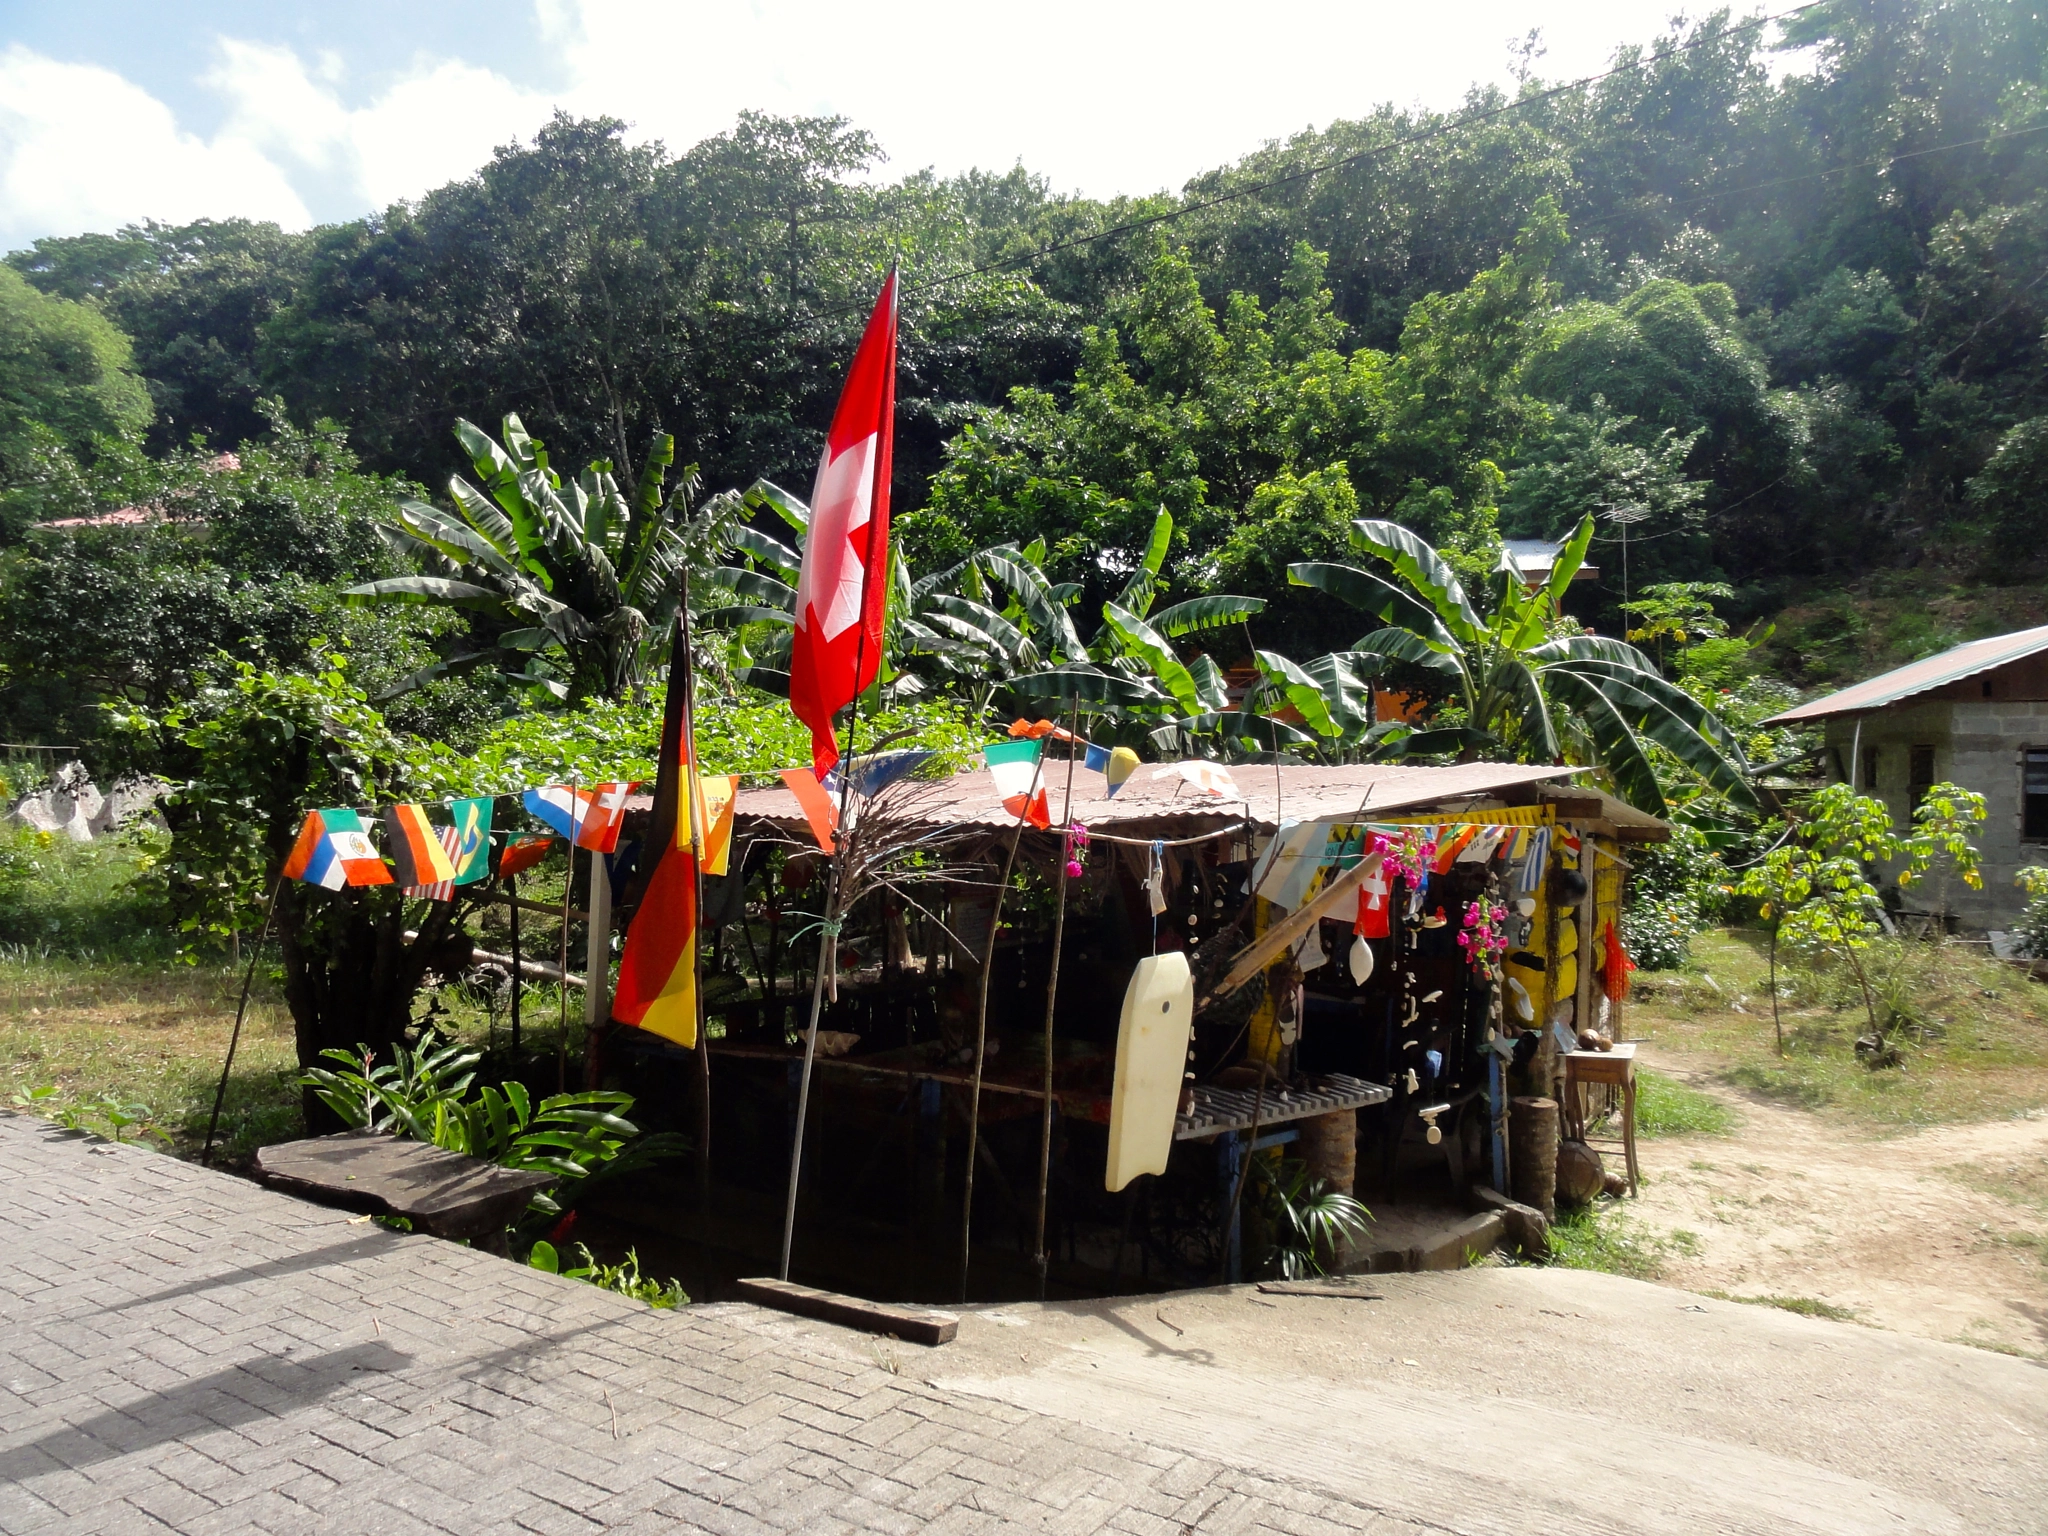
{"x": 1524, "y": 689}
{"x": 574, "y": 582}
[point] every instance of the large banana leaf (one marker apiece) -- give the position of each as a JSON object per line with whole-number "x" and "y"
{"x": 792, "y": 509}
{"x": 1405, "y": 645}
{"x": 1146, "y": 643}
{"x": 1294, "y": 684}
{"x": 1006, "y": 563}
{"x": 1376, "y": 596}
{"x": 1210, "y": 686}
{"x": 1088, "y": 685}
{"x": 772, "y": 552}
{"x": 433, "y": 589}
{"x": 1143, "y": 586}
{"x": 1424, "y": 570}
{"x": 1199, "y": 613}
{"x": 763, "y": 589}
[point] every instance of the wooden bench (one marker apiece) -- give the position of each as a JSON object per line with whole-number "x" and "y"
{"x": 440, "y": 1192}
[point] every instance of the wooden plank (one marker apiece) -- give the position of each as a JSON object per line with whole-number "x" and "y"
{"x": 1258, "y": 954}
{"x": 1331, "y": 1287}
{"x": 440, "y": 1192}
{"x": 1576, "y": 807}
{"x": 915, "y": 1325}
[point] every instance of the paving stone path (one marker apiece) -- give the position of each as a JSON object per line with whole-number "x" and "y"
{"x": 183, "y": 1351}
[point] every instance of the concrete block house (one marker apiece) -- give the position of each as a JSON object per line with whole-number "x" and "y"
{"x": 1976, "y": 716}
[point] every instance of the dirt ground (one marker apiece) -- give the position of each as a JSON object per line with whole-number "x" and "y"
{"x": 1940, "y": 1232}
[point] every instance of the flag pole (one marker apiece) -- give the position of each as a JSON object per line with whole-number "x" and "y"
{"x": 221, "y": 1093}
{"x": 562, "y": 966}
{"x": 988, "y": 965}
{"x": 1052, "y": 987}
{"x": 688, "y": 791}
{"x": 828, "y": 926}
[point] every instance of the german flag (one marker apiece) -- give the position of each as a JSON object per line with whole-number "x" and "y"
{"x": 658, "y": 973}
{"x": 415, "y": 848}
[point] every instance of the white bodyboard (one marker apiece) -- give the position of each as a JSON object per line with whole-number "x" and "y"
{"x": 1151, "y": 1062}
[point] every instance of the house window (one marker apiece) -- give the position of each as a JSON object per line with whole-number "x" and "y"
{"x": 2034, "y": 795}
{"x": 1919, "y": 775}
{"x": 1870, "y": 767}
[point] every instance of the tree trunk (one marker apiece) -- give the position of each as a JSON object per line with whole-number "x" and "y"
{"x": 1776, "y": 1023}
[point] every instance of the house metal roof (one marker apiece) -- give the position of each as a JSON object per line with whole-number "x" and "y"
{"x": 1920, "y": 676}
{"x": 1535, "y": 558}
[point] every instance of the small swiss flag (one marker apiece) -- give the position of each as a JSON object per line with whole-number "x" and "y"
{"x": 844, "y": 587}
{"x": 1372, "y": 907}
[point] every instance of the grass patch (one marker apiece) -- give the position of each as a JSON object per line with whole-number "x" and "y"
{"x": 149, "y": 1035}
{"x": 1666, "y": 1107}
{"x": 1980, "y": 1052}
{"x": 1603, "y": 1237}
{"x": 1805, "y": 1306}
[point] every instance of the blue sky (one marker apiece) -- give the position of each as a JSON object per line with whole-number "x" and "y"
{"x": 114, "y": 111}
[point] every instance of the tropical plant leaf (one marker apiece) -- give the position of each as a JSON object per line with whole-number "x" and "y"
{"x": 1210, "y": 686}
{"x": 1397, "y": 644}
{"x": 1199, "y": 613}
{"x": 1140, "y": 639}
{"x": 1376, "y": 596}
{"x": 762, "y": 588}
{"x": 1299, "y": 689}
{"x": 1143, "y": 586}
{"x": 1087, "y": 685}
{"x": 1425, "y": 571}
{"x": 431, "y": 589}
{"x": 768, "y": 551}
{"x": 792, "y": 509}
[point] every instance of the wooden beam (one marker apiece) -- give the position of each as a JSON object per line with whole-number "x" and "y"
{"x": 916, "y": 1325}
{"x": 1255, "y": 956}
{"x": 1642, "y": 834}
{"x": 1576, "y": 807}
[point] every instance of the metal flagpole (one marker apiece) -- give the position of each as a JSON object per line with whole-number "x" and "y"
{"x": 562, "y": 969}
{"x": 988, "y": 965}
{"x": 828, "y": 927}
{"x": 220, "y": 1094}
{"x": 688, "y": 806}
{"x": 1052, "y": 987}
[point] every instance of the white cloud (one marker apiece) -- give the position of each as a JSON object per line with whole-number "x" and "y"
{"x": 1101, "y": 98}
{"x": 83, "y": 149}
{"x": 430, "y": 128}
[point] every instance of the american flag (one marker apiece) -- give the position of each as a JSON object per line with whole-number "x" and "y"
{"x": 440, "y": 890}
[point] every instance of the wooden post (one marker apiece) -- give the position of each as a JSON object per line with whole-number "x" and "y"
{"x": 512, "y": 889}
{"x": 1052, "y": 988}
{"x": 988, "y": 965}
{"x": 597, "y": 948}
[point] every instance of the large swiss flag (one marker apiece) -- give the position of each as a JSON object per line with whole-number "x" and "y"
{"x": 844, "y": 586}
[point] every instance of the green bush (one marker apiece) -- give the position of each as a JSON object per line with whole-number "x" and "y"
{"x": 2031, "y": 931}
{"x": 1674, "y": 893}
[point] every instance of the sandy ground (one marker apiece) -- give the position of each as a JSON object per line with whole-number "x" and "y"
{"x": 1491, "y": 1400}
{"x": 1898, "y": 1229}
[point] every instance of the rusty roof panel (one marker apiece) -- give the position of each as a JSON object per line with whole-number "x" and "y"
{"x": 1919, "y": 677}
{"x": 1155, "y": 796}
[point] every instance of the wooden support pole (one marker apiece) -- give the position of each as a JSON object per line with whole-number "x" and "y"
{"x": 988, "y": 965}
{"x": 1052, "y": 989}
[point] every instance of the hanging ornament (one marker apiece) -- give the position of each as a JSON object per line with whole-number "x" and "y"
{"x": 1361, "y": 960}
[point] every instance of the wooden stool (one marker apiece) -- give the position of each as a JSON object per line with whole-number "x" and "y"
{"x": 1613, "y": 1069}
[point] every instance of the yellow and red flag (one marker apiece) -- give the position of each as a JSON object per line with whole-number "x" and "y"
{"x": 657, "y": 988}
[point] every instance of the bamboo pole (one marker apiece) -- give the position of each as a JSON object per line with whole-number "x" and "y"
{"x": 512, "y": 888}
{"x": 988, "y": 965}
{"x": 1052, "y": 988}
{"x": 220, "y": 1094}
{"x": 689, "y": 803}
{"x": 568, "y": 882}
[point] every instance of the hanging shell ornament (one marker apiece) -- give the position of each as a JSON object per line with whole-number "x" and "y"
{"x": 1361, "y": 960}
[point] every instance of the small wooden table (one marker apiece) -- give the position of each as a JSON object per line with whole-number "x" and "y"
{"x": 1613, "y": 1069}
{"x": 440, "y": 1192}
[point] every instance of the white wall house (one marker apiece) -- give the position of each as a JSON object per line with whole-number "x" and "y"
{"x": 1975, "y": 716}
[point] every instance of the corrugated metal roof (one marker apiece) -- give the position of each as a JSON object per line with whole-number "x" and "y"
{"x": 1155, "y": 795}
{"x": 1920, "y": 676}
{"x": 1536, "y": 558}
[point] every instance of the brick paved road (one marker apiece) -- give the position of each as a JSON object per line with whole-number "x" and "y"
{"x": 181, "y": 1350}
